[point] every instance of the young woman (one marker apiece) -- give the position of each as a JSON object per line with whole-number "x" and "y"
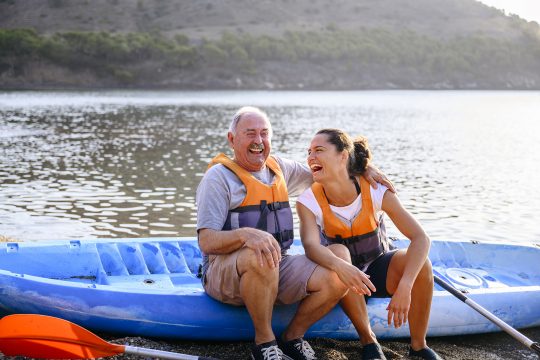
{"x": 342, "y": 229}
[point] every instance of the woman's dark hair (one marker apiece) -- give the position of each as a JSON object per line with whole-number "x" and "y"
{"x": 358, "y": 149}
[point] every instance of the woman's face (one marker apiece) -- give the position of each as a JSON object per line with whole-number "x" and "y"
{"x": 324, "y": 160}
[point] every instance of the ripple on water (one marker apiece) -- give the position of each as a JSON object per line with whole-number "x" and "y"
{"x": 77, "y": 165}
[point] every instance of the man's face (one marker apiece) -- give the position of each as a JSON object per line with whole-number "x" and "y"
{"x": 252, "y": 143}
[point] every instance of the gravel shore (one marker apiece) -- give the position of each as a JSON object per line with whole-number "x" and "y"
{"x": 496, "y": 346}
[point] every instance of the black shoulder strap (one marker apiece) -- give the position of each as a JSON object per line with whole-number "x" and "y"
{"x": 356, "y": 185}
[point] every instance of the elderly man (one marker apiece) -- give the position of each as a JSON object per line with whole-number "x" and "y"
{"x": 245, "y": 226}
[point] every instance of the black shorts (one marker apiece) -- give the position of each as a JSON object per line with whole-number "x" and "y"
{"x": 378, "y": 271}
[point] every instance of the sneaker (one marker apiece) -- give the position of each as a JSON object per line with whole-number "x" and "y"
{"x": 425, "y": 353}
{"x": 268, "y": 351}
{"x": 298, "y": 349}
{"x": 372, "y": 351}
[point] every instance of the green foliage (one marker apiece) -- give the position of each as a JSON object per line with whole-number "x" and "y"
{"x": 19, "y": 42}
{"x": 213, "y": 54}
{"x": 121, "y": 56}
{"x": 181, "y": 39}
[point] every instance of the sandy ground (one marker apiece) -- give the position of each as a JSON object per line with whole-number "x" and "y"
{"x": 496, "y": 346}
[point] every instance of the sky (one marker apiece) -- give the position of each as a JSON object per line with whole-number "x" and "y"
{"x": 526, "y": 9}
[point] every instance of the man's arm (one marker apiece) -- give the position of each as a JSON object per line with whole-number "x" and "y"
{"x": 214, "y": 242}
{"x": 373, "y": 175}
{"x": 298, "y": 176}
{"x": 213, "y": 204}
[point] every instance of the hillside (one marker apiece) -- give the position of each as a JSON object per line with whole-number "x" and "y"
{"x": 381, "y": 44}
{"x": 197, "y": 19}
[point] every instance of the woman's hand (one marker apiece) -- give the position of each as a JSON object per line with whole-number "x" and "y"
{"x": 355, "y": 279}
{"x": 398, "y": 308}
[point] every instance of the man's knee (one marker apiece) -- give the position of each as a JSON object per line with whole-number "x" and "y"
{"x": 248, "y": 261}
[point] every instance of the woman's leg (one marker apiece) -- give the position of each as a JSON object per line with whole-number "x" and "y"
{"x": 354, "y": 305}
{"x": 421, "y": 295}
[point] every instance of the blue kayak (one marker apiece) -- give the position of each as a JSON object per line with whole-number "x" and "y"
{"x": 148, "y": 287}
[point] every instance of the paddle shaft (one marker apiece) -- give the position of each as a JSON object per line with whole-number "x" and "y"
{"x": 491, "y": 317}
{"x": 161, "y": 354}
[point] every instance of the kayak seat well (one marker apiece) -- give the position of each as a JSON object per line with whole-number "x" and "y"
{"x": 123, "y": 262}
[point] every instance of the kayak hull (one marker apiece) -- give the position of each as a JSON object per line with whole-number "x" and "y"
{"x": 147, "y": 287}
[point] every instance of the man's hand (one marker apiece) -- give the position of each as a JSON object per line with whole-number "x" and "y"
{"x": 374, "y": 176}
{"x": 264, "y": 244}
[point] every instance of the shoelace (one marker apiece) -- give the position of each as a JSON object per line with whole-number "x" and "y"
{"x": 306, "y": 350}
{"x": 272, "y": 353}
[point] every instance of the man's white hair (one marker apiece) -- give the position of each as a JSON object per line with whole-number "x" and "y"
{"x": 245, "y": 110}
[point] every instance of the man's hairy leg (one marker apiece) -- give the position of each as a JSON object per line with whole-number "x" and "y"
{"x": 258, "y": 288}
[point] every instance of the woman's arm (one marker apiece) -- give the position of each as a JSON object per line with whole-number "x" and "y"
{"x": 416, "y": 256}
{"x": 349, "y": 274}
{"x": 418, "y": 250}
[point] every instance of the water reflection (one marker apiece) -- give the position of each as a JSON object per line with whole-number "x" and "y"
{"x": 82, "y": 165}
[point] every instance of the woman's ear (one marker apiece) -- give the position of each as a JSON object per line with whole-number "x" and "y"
{"x": 344, "y": 156}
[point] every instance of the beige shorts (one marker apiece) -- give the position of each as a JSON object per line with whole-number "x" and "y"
{"x": 222, "y": 281}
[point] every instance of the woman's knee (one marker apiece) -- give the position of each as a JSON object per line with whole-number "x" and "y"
{"x": 327, "y": 280}
{"x": 341, "y": 251}
{"x": 426, "y": 273}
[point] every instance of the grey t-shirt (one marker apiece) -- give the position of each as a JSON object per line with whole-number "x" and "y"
{"x": 221, "y": 190}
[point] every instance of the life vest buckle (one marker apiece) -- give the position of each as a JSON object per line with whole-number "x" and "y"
{"x": 274, "y": 206}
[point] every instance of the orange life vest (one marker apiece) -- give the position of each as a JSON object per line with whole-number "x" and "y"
{"x": 265, "y": 207}
{"x": 365, "y": 238}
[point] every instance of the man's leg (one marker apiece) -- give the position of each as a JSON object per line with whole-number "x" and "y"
{"x": 258, "y": 289}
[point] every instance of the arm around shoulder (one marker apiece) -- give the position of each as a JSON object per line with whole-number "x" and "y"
{"x": 373, "y": 175}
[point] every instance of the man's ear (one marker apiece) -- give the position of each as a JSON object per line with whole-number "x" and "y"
{"x": 230, "y": 139}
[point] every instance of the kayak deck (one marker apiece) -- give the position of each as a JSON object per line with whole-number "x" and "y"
{"x": 170, "y": 262}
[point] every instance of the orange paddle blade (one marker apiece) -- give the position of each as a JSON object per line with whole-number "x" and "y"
{"x": 48, "y": 337}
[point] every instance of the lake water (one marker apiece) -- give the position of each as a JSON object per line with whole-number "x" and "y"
{"x": 127, "y": 163}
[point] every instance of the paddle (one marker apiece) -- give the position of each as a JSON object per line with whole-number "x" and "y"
{"x": 48, "y": 337}
{"x": 500, "y": 323}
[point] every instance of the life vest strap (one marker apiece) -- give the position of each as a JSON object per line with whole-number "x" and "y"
{"x": 284, "y": 236}
{"x": 361, "y": 259}
{"x": 262, "y": 223}
{"x": 272, "y": 206}
{"x": 353, "y": 239}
